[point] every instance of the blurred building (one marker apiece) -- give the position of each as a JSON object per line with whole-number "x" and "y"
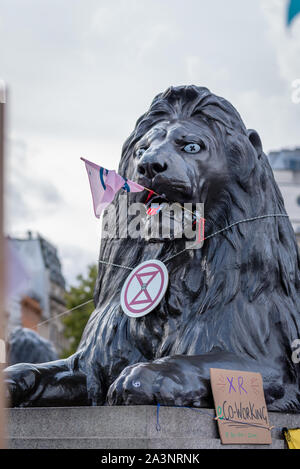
{"x": 35, "y": 288}
{"x": 286, "y": 168}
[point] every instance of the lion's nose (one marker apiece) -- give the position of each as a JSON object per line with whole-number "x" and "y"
{"x": 150, "y": 168}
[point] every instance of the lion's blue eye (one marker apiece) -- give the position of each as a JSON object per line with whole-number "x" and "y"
{"x": 192, "y": 148}
{"x": 140, "y": 152}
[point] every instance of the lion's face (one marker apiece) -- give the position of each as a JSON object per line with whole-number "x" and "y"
{"x": 182, "y": 161}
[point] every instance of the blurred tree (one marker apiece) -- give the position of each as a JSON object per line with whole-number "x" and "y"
{"x": 75, "y": 321}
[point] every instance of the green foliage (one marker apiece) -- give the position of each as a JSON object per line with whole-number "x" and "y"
{"x": 75, "y": 321}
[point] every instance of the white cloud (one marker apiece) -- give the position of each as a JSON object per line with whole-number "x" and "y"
{"x": 286, "y": 41}
{"x": 200, "y": 71}
{"x": 81, "y": 73}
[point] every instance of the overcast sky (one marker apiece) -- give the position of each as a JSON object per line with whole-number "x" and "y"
{"x": 80, "y": 73}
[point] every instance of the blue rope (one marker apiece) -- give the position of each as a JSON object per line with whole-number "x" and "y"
{"x": 158, "y": 427}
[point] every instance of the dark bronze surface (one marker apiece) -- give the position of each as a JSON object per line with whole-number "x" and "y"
{"x": 232, "y": 304}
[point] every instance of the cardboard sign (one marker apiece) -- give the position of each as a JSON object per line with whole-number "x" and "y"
{"x": 240, "y": 407}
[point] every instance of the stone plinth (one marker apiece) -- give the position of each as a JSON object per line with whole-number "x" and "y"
{"x": 126, "y": 427}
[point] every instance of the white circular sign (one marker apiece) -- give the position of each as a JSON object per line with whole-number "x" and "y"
{"x": 144, "y": 288}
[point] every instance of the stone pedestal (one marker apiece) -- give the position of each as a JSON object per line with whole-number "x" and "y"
{"x": 126, "y": 427}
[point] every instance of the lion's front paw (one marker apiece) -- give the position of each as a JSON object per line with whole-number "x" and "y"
{"x": 20, "y": 381}
{"x": 135, "y": 385}
{"x": 164, "y": 381}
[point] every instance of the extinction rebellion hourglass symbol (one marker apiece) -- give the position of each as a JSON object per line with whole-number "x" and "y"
{"x": 144, "y": 288}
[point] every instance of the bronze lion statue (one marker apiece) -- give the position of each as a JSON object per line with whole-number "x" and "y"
{"x": 232, "y": 304}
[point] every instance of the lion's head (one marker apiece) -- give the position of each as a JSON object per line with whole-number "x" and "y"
{"x": 192, "y": 146}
